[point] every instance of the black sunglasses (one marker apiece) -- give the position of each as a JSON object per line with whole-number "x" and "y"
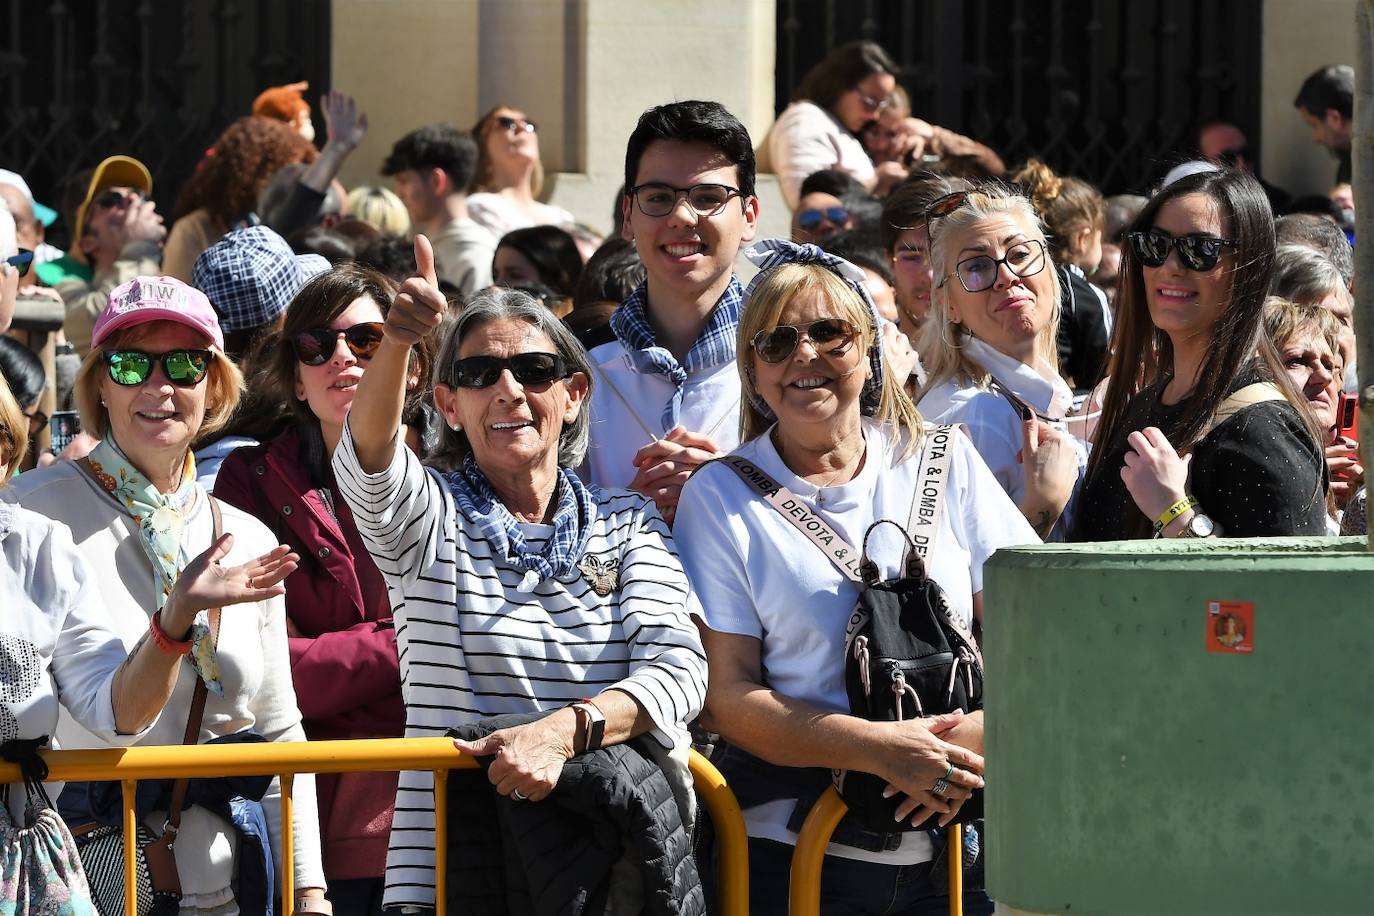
{"x": 21, "y": 261}
{"x": 314, "y": 346}
{"x": 1197, "y": 252}
{"x": 524, "y": 124}
{"x": 183, "y": 368}
{"x": 528, "y": 369}
{"x": 776, "y": 345}
{"x": 810, "y": 220}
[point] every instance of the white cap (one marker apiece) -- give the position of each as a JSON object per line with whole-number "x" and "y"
{"x": 45, "y": 215}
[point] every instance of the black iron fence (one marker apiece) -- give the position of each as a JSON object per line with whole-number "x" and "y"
{"x": 155, "y": 79}
{"x": 1108, "y": 90}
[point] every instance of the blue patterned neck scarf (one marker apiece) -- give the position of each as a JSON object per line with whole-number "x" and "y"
{"x": 714, "y": 346}
{"x": 572, "y": 523}
{"x": 773, "y": 253}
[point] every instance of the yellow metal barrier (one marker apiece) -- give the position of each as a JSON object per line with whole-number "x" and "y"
{"x": 285, "y": 759}
{"x": 804, "y": 891}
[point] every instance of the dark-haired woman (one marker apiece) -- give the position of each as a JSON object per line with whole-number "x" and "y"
{"x": 538, "y": 256}
{"x": 23, "y": 372}
{"x": 820, "y": 129}
{"x": 343, "y": 645}
{"x": 1193, "y": 374}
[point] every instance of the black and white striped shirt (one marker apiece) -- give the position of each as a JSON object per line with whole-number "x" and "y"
{"x": 472, "y": 644}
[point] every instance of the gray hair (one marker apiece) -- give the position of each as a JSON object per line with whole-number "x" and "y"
{"x": 1305, "y": 275}
{"x": 1321, "y": 234}
{"x": 491, "y": 305}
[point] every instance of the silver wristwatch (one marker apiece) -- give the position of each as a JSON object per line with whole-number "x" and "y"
{"x": 1199, "y": 526}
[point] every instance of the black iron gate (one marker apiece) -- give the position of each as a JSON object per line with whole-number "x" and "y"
{"x": 155, "y": 79}
{"x": 1108, "y": 90}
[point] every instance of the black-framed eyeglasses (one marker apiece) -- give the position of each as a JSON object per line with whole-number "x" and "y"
{"x": 21, "y": 261}
{"x": 183, "y": 368}
{"x": 810, "y": 220}
{"x": 1197, "y": 251}
{"x": 777, "y": 344}
{"x": 314, "y": 346}
{"x": 517, "y": 125}
{"x": 979, "y": 273}
{"x": 529, "y": 369}
{"x": 655, "y": 198}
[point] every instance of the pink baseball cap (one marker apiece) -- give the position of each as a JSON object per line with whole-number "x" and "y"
{"x": 145, "y": 299}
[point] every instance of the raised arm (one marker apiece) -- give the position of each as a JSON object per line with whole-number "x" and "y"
{"x": 375, "y": 417}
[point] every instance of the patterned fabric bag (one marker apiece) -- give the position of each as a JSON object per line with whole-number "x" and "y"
{"x": 40, "y": 871}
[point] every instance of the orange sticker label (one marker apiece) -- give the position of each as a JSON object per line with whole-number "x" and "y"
{"x": 1231, "y": 627}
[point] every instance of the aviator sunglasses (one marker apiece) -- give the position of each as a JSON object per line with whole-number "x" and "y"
{"x": 183, "y": 368}
{"x": 778, "y": 344}
{"x": 528, "y": 369}
{"x": 1197, "y": 252}
{"x": 314, "y": 346}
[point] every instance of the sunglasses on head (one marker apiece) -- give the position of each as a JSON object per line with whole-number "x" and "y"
{"x": 1198, "y": 252}
{"x": 21, "y": 261}
{"x": 523, "y": 125}
{"x": 810, "y": 220}
{"x": 183, "y": 368}
{"x": 527, "y": 368}
{"x": 314, "y": 346}
{"x": 776, "y": 345}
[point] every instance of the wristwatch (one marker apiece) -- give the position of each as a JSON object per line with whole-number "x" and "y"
{"x": 591, "y": 723}
{"x": 1199, "y": 526}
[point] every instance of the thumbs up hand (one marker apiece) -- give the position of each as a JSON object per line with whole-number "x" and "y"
{"x": 419, "y": 307}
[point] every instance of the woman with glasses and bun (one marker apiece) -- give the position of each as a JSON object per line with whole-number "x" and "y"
{"x": 339, "y": 624}
{"x": 1202, "y": 433}
{"x": 824, "y": 419}
{"x": 525, "y": 591}
{"x": 157, "y": 377}
{"x": 988, "y": 345}
{"x": 510, "y": 175}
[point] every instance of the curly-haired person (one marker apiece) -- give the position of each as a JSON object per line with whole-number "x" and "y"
{"x": 225, "y": 188}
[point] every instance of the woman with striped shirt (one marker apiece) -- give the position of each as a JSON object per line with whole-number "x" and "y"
{"x": 515, "y": 587}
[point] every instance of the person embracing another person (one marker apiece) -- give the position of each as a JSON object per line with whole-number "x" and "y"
{"x": 827, "y": 421}
{"x": 523, "y": 591}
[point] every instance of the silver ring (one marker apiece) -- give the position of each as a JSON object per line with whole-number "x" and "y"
{"x": 942, "y": 784}
{"x": 518, "y": 795}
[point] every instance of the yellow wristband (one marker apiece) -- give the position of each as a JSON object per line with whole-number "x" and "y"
{"x": 1173, "y": 512}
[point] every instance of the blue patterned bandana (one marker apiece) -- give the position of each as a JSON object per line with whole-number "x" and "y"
{"x": 572, "y": 523}
{"x": 714, "y": 347}
{"x": 773, "y": 253}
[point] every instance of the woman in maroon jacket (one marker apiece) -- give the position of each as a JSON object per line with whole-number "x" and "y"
{"x": 343, "y": 646}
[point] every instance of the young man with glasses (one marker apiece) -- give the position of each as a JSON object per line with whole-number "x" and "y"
{"x": 666, "y": 393}
{"x": 433, "y": 168}
{"x": 117, "y": 235}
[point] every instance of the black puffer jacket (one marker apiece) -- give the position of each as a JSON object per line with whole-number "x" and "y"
{"x": 554, "y": 858}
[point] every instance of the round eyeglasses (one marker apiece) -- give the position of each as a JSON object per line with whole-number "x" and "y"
{"x": 979, "y": 273}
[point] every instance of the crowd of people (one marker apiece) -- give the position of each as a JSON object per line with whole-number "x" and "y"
{"x": 436, "y": 459}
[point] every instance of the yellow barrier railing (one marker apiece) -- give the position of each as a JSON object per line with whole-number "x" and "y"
{"x": 285, "y": 759}
{"x": 804, "y": 891}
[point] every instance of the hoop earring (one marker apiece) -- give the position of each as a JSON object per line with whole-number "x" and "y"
{"x": 945, "y": 326}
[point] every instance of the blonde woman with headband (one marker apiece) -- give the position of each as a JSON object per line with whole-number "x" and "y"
{"x": 989, "y": 347}
{"x": 822, "y": 417}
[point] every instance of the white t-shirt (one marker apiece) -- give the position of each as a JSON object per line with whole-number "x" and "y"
{"x": 754, "y": 574}
{"x": 806, "y": 138}
{"x": 627, "y": 411}
{"x": 991, "y": 422}
{"x": 500, "y": 214}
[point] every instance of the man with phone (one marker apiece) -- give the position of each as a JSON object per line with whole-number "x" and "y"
{"x": 117, "y": 235}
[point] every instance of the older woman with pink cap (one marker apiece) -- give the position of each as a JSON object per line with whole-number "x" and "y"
{"x": 156, "y": 377}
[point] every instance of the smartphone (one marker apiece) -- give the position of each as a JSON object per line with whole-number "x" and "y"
{"x": 1347, "y": 417}
{"x": 62, "y": 429}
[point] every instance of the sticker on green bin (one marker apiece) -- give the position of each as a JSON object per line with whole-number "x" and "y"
{"x": 1231, "y": 627}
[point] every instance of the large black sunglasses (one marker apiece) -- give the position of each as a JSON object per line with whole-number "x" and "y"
{"x": 314, "y": 346}
{"x": 519, "y": 125}
{"x": 183, "y": 368}
{"x": 529, "y": 369}
{"x": 1198, "y": 251}
{"x": 777, "y": 344}
{"x": 21, "y": 261}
